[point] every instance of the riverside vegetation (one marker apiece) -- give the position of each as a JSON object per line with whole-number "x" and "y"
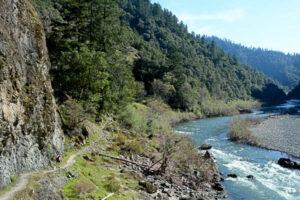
{"x": 240, "y": 130}
{"x": 135, "y": 62}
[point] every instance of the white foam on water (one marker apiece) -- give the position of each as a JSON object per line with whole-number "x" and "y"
{"x": 227, "y": 157}
{"x": 184, "y": 132}
{"x": 285, "y": 182}
{"x": 211, "y": 140}
{"x": 244, "y": 181}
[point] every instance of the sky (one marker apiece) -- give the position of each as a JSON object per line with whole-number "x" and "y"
{"x": 271, "y": 24}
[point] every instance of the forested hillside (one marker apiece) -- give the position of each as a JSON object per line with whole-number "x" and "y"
{"x": 295, "y": 93}
{"x": 108, "y": 53}
{"x": 123, "y": 72}
{"x": 285, "y": 68}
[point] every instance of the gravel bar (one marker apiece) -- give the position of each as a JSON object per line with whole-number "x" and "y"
{"x": 281, "y": 133}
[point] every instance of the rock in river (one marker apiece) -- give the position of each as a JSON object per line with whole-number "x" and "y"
{"x": 288, "y": 163}
{"x": 250, "y": 177}
{"x": 232, "y": 175}
{"x": 205, "y": 147}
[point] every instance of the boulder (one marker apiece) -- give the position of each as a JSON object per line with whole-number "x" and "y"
{"x": 232, "y": 175}
{"x": 245, "y": 111}
{"x": 207, "y": 155}
{"x": 250, "y": 177}
{"x": 218, "y": 187}
{"x": 205, "y": 147}
{"x": 149, "y": 187}
{"x": 288, "y": 163}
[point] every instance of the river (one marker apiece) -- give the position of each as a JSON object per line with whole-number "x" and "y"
{"x": 271, "y": 181}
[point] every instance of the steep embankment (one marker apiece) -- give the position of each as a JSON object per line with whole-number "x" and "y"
{"x": 30, "y": 131}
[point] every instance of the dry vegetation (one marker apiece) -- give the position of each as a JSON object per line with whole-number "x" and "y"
{"x": 239, "y": 130}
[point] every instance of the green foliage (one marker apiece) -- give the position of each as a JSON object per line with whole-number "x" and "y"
{"x": 212, "y": 107}
{"x": 90, "y": 62}
{"x": 270, "y": 94}
{"x": 113, "y": 184}
{"x": 107, "y": 54}
{"x": 71, "y": 113}
{"x": 199, "y": 70}
{"x": 135, "y": 117}
{"x": 128, "y": 143}
{"x": 285, "y": 68}
{"x": 147, "y": 119}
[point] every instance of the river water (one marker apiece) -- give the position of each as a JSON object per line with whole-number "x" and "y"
{"x": 271, "y": 181}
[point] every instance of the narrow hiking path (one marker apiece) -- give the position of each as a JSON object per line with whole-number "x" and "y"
{"x": 24, "y": 178}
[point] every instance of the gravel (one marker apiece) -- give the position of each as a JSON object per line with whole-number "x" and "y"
{"x": 281, "y": 133}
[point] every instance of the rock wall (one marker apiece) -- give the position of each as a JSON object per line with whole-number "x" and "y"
{"x": 30, "y": 133}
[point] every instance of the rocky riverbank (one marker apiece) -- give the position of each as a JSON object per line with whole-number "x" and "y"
{"x": 173, "y": 185}
{"x": 279, "y": 133}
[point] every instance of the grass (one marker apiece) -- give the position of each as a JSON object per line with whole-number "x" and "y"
{"x": 239, "y": 130}
{"x": 97, "y": 179}
{"x": 14, "y": 180}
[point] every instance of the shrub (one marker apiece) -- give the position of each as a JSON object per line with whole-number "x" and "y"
{"x": 71, "y": 113}
{"x": 134, "y": 146}
{"x": 213, "y": 107}
{"x": 129, "y": 144}
{"x": 113, "y": 184}
{"x": 13, "y": 179}
{"x": 239, "y": 130}
{"x": 83, "y": 187}
{"x": 134, "y": 116}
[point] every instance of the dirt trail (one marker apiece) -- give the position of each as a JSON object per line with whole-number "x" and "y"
{"x": 24, "y": 178}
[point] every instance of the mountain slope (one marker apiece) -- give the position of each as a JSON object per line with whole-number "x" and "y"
{"x": 157, "y": 54}
{"x": 285, "y": 68}
{"x": 198, "y": 70}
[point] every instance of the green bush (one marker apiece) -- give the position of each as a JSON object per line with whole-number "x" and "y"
{"x": 129, "y": 144}
{"x": 113, "y": 184}
{"x": 134, "y": 146}
{"x": 134, "y": 116}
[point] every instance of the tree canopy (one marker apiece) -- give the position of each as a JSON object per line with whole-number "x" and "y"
{"x": 108, "y": 53}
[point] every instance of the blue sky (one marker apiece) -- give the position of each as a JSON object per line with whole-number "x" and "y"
{"x": 272, "y": 24}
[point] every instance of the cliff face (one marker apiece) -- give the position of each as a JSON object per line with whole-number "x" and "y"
{"x": 30, "y": 133}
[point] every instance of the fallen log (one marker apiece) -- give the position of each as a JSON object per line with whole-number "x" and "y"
{"x": 123, "y": 160}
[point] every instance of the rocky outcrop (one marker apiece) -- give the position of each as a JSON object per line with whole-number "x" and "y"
{"x": 30, "y": 133}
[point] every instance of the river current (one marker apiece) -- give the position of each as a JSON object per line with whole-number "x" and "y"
{"x": 271, "y": 181}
